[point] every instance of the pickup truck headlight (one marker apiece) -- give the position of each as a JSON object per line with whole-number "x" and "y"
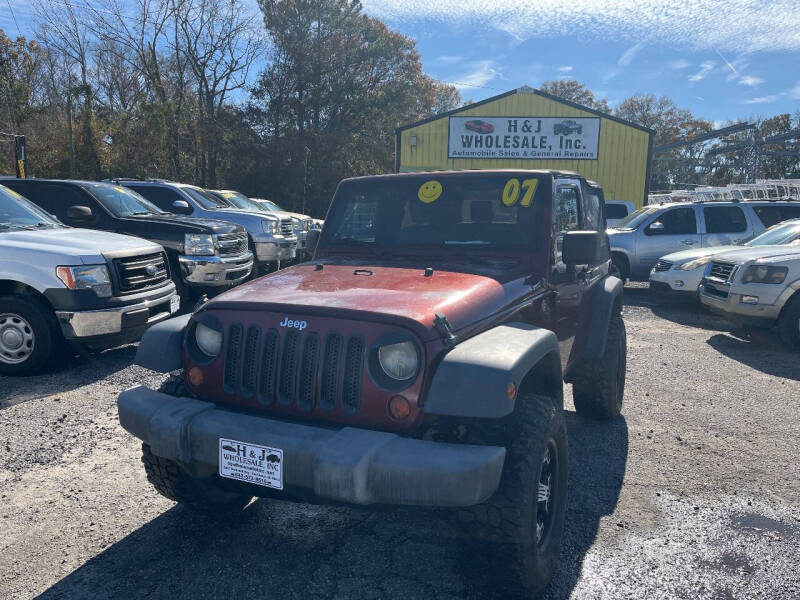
{"x": 87, "y": 277}
{"x": 399, "y": 361}
{"x": 764, "y": 274}
{"x": 695, "y": 264}
{"x": 297, "y": 225}
{"x": 208, "y": 340}
{"x": 199, "y": 244}
{"x": 269, "y": 226}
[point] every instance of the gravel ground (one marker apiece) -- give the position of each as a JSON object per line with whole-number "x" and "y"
{"x": 693, "y": 494}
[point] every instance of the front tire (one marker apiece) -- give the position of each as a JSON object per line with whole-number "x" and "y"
{"x": 523, "y": 522}
{"x": 27, "y": 336}
{"x": 789, "y": 324}
{"x": 598, "y": 385}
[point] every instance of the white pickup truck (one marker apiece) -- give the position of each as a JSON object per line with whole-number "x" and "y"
{"x": 62, "y": 287}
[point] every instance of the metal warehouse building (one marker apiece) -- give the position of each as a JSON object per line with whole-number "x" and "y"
{"x": 529, "y": 129}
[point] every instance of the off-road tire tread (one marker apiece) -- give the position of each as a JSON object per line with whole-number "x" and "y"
{"x": 593, "y": 379}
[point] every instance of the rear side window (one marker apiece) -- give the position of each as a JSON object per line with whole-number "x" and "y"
{"x": 616, "y": 211}
{"x": 678, "y": 221}
{"x": 772, "y": 215}
{"x": 56, "y": 199}
{"x": 724, "y": 219}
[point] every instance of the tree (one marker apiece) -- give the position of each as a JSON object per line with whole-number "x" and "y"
{"x": 571, "y": 90}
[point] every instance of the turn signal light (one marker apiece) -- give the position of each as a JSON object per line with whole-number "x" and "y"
{"x": 511, "y": 390}
{"x": 399, "y": 408}
{"x": 195, "y": 377}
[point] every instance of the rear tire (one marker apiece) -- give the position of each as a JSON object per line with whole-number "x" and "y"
{"x": 789, "y": 323}
{"x": 619, "y": 267}
{"x": 28, "y": 336}
{"x": 598, "y": 385}
{"x": 522, "y": 523}
{"x": 172, "y": 482}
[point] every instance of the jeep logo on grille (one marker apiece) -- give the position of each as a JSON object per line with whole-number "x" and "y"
{"x": 287, "y": 322}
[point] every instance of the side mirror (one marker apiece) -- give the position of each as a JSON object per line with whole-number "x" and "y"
{"x": 583, "y": 248}
{"x": 80, "y": 213}
{"x": 312, "y": 239}
{"x": 656, "y": 227}
{"x": 181, "y": 207}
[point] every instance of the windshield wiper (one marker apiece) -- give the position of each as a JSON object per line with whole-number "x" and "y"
{"x": 351, "y": 241}
{"x": 141, "y": 212}
{"x": 38, "y": 225}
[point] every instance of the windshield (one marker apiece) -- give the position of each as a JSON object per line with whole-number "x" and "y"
{"x": 120, "y": 201}
{"x": 633, "y": 220}
{"x": 461, "y": 213}
{"x": 16, "y": 212}
{"x": 268, "y": 204}
{"x": 205, "y": 199}
{"x": 239, "y": 200}
{"x": 782, "y": 233}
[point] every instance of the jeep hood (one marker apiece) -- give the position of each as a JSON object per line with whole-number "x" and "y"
{"x": 78, "y": 245}
{"x": 376, "y": 293}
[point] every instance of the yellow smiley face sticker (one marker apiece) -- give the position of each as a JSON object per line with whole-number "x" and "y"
{"x": 429, "y": 191}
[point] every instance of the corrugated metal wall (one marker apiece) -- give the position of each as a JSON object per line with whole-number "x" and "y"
{"x": 621, "y": 167}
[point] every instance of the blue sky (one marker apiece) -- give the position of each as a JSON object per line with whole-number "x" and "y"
{"x": 723, "y": 59}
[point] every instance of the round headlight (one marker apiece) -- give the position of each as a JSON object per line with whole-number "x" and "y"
{"x": 208, "y": 340}
{"x": 399, "y": 361}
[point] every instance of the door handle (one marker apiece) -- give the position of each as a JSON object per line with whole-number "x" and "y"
{"x": 688, "y": 242}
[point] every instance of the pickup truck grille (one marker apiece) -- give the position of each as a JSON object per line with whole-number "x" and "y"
{"x": 231, "y": 244}
{"x": 286, "y": 227}
{"x": 139, "y": 273}
{"x": 721, "y": 271}
{"x": 284, "y": 368}
{"x": 663, "y": 265}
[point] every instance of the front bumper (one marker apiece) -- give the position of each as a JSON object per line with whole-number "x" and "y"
{"x": 356, "y": 466}
{"x": 125, "y": 323}
{"x": 279, "y": 249}
{"x": 723, "y": 300}
{"x": 677, "y": 280}
{"x": 215, "y": 270}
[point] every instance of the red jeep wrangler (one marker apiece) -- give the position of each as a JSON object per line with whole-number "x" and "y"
{"x": 418, "y": 359}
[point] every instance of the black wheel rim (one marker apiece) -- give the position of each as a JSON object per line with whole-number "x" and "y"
{"x": 547, "y": 493}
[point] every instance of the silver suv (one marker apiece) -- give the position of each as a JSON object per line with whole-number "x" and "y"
{"x": 639, "y": 240}
{"x": 271, "y": 238}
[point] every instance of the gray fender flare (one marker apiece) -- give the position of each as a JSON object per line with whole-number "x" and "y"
{"x": 605, "y": 299}
{"x": 161, "y": 347}
{"x": 472, "y": 379}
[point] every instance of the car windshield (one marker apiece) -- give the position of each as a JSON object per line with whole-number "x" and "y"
{"x": 782, "y": 233}
{"x": 239, "y": 200}
{"x": 633, "y": 220}
{"x": 269, "y": 205}
{"x": 16, "y": 212}
{"x": 465, "y": 213}
{"x": 120, "y": 201}
{"x": 205, "y": 199}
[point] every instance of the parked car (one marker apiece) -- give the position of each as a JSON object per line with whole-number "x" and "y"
{"x": 639, "y": 240}
{"x": 270, "y": 238}
{"x": 84, "y": 287}
{"x": 301, "y": 224}
{"x": 479, "y": 126}
{"x": 417, "y": 360}
{"x": 567, "y": 127}
{"x": 205, "y": 255}
{"x": 681, "y": 272}
{"x": 616, "y": 210}
{"x": 757, "y": 287}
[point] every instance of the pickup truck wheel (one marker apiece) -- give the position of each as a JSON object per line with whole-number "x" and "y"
{"x": 619, "y": 267}
{"x": 172, "y": 482}
{"x": 27, "y": 336}
{"x": 523, "y": 521}
{"x": 598, "y": 385}
{"x": 789, "y": 323}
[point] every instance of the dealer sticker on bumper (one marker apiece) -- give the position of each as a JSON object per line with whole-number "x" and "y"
{"x": 250, "y": 463}
{"x": 174, "y": 304}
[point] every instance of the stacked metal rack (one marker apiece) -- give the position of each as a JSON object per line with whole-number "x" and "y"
{"x": 762, "y": 190}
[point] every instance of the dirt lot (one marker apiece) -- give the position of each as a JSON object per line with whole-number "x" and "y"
{"x": 695, "y": 493}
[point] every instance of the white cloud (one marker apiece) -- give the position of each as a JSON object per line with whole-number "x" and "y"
{"x": 795, "y": 91}
{"x": 713, "y": 25}
{"x": 750, "y": 81}
{"x": 705, "y": 70}
{"x": 565, "y": 69}
{"x": 679, "y": 64}
{"x": 449, "y": 59}
{"x": 763, "y": 99}
{"x": 480, "y": 73}
{"x": 630, "y": 53}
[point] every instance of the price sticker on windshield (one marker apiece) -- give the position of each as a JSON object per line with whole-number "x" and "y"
{"x": 514, "y": 189}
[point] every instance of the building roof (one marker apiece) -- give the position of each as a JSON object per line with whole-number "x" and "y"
{"x": 527, "y": 90}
